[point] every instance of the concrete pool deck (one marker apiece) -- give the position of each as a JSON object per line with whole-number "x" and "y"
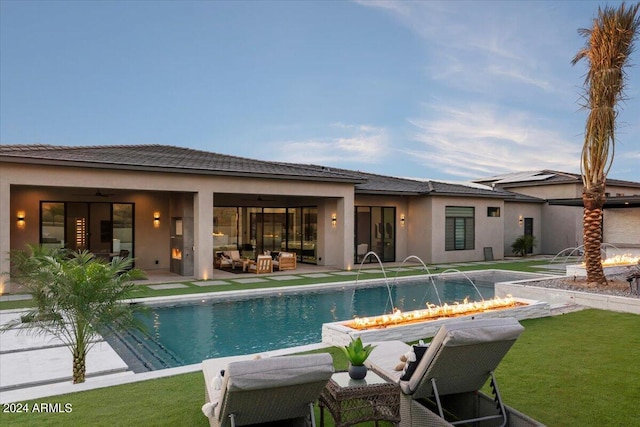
{"x": 39, "y": 367}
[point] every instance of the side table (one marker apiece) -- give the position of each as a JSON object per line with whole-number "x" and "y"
{"x": 354, "y": 401}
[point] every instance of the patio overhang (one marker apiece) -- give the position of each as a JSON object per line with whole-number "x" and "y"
{"x": 612, "y": 202}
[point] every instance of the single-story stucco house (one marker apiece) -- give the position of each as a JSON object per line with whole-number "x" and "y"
{"x": 172, "y": 208}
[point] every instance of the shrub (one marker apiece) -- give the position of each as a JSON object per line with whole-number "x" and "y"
{"x": 523, "y": 245}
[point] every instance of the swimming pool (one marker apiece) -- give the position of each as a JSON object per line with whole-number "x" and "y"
{"x": 182, "y": 334}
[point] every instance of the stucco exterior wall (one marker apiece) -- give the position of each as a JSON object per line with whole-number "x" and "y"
{"x": 489, "y": 231}
{"x": 24, "y": 186}
{"x": 562, "y": 228}
{"x": 616, "y": 190}
{"x": 555, "y": 191}
{"x": 570, "y": 190}
{"x": 420, "y": 229}
{"x": 513, "y": 228}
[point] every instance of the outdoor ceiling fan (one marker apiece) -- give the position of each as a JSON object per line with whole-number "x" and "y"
{"x": 98, "y": 193}
{"x": 259, "y": 199}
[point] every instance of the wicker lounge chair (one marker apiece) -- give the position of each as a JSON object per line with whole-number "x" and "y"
{"x": 444, "y": 388}
{"x": 279, "y": 390}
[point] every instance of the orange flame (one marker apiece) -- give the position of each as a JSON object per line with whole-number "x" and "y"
{"x": 433, "y": 312}
{"x": 617, "y": 260}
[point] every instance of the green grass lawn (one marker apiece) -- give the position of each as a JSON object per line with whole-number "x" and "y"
{"x": 578, "y": 369}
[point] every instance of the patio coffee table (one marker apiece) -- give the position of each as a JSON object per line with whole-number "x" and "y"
{"x": 354, "y": 401}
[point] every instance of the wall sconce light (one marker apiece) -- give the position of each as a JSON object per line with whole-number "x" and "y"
{"x": 520, "y": 221}
{"x": 402, "y": 220}
{"x": 156, "y": 219}
{"x": 334, "y": 220}
{"x": 21, "y": 222}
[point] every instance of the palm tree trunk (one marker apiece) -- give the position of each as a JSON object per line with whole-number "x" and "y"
{"x": 79, "y": 365}
{"x": 592, "y": 224}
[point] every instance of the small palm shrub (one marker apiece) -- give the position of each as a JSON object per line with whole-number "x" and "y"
{"x": 523, "y": 245}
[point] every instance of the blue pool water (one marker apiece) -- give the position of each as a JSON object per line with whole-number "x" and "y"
{"x": 179, "y": 335}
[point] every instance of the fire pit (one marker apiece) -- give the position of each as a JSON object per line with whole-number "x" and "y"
{"x": 419, "y": 324}
{"x": 618, "y": 264}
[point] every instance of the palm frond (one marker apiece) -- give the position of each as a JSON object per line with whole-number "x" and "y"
{"x": 609, "y": 45}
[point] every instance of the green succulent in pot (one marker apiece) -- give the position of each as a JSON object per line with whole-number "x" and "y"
{"x": 357, "y": 352}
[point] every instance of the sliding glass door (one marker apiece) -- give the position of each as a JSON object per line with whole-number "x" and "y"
{"x": 101, "y": 228}
{"x": 268, "y": 229}
{"x": 375, "y": 231}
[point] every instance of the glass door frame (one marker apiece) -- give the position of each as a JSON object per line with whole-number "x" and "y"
{"x": 88, "y": 225}
{"x": 378, "y": 233}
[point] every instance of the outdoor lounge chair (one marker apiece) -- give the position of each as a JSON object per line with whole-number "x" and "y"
{"x": 263, "y": 264}
{"x": 281, "y": 390}
{"x": 222, "y": 260}
{"x": 285, "y": 261}
{"x": 444, "y": 388}
{"x": 236, "y": 259}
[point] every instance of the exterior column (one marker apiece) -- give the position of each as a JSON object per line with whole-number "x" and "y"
{"x": 345, "y": 208}
{"x": 203, "y": 234}
{"x": 5, "y": 233}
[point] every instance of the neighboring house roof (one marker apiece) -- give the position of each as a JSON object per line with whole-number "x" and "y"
{"x": 543, "y": 177}
{"x": 166, "y": 159}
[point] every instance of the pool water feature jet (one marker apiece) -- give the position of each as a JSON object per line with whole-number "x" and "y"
{"x": 435, "y": 288}
{"x": 579, "y": 250}
{"x": 453, "y": 270}
{"x": 386, "y": 280}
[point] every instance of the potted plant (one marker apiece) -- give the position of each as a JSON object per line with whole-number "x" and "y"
{"x": 357, "y": 353}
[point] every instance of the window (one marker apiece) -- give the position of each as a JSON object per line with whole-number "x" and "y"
{"x": 493, "y": 211}
{"x": 225, "y": 228}
{"x": 52, "y": 216}
{"x": 459, "y": 228}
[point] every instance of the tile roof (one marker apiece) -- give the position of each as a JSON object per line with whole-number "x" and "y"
{"x": 380, "y": 184}
{"x": 165, "y": 158}
{"x": 185, "y": 160}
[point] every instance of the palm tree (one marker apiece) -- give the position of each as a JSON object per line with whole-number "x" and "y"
{"x": 77, "y": 296}
{"x": 607, "y": 50}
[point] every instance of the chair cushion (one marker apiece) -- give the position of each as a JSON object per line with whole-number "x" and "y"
{"x": 384, "y": 358}
{"x": 278, "y": 371}
{"x": 481, "y": 330}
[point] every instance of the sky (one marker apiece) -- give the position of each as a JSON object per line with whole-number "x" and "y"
{"x": 440, "y": 90}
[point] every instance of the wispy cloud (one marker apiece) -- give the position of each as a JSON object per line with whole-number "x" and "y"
{"x": 348, "y": 144}
{"x": 469, "y": 43}
{"x": 485, "y": 139}
{"x": 491, "y": 69}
